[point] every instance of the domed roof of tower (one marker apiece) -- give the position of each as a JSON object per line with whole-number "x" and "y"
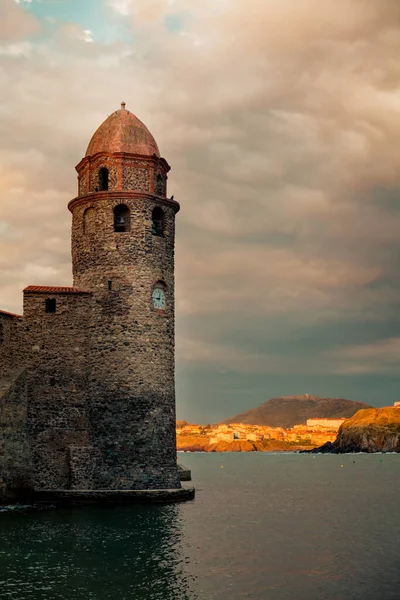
{"x": 123, "y": 132}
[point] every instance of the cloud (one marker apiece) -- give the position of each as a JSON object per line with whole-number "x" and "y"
{"x": 267, "y": 281}
{"x": 16, "y": 50}
{"x": 122, "y": 7}
{"x": 87, "y": 36}
{"x": 15, "y": 22}
{"x": 381, "y": 356}
{"x": 281, "y": 121}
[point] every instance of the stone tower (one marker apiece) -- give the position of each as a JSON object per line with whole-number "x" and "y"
{"x": 123, "y": 236}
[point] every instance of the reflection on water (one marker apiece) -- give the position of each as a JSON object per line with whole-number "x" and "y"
{"x": 123, "y": 553}
{"x": 263, "y": 527}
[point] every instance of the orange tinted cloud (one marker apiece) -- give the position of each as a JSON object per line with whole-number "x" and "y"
{"x": 281, "y": 121}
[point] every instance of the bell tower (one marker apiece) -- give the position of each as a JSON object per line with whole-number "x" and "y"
{"x": 123, "y": 238}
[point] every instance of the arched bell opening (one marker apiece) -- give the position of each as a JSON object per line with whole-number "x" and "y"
{"x": 159, "y": 187}
{"x": 157, "y": 217}
{"x": 122, "y": 218}
{"x": 103, "y": 179}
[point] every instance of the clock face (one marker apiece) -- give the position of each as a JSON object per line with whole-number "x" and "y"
{"x": 158, "y": 297}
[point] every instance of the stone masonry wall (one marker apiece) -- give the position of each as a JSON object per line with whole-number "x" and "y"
{"x": 131, "y": 410}
{"x": 57, "y": 383}
{"x": 81, "y": 466}
{"x": 160, "y": 184}
{"x": 10, "y": 346}
{"x": 134, "y": 178}
{"x": 83, "y": 184}
{"x": 5, "y": 336}
{"x": 15, "y": 456}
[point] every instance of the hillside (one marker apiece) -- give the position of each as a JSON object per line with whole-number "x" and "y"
{"x": 295, "y": 410}
{"x": 372, "y": 430}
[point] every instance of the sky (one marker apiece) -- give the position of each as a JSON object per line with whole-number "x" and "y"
{"x": 281, "y": 122}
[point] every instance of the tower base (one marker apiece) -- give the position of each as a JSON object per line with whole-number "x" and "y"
{"x": 112, "y": 497}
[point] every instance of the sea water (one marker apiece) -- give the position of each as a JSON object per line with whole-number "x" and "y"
{"x": 270, "y": 526}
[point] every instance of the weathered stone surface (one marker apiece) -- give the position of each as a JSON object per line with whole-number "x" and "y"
{"x": 10, "y": 342}
{"x": 15, "y": 452}
{"x": 135, "y": 179}
{"x": 81, "y": 466}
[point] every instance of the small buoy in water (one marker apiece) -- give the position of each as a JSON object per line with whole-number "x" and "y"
{"x": 222, "y": 466}
{"x": 380, "y": 460}
{"x": 342, "y": 465}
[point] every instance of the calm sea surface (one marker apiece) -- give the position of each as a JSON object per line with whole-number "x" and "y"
{"x": 263, "y": 526}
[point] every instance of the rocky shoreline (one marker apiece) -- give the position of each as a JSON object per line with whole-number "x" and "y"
{"x": 370, "y": 430}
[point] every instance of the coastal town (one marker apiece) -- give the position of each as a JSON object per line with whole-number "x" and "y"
{"x": 242, "y": 437}
{"x": 239, "y": 437}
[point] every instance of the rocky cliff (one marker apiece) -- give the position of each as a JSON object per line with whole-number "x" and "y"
{"x": 369, "y": 430}
{"x": 295, "y": 410}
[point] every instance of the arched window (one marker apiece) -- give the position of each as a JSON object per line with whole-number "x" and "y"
{"x": 89, "y": 220}
{"x": 122, "y": 218}
{"x": 103, "y": 179}
{"x": 160, "y": 185}
{"x": 157, "y": 221}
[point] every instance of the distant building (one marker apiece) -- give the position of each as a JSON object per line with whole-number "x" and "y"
{"x": 326, "y": 423}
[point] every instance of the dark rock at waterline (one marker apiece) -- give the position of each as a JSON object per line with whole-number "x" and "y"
{"x": 326, "y": 448}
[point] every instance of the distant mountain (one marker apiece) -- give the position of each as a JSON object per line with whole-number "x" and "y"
{"x": 295, "y": 410}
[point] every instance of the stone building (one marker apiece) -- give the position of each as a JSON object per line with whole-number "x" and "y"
{"x": 95, "y": 362}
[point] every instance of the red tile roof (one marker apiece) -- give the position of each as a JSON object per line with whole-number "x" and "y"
{"x": 8, "y": 314}
{"x": 45, "y": 289}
